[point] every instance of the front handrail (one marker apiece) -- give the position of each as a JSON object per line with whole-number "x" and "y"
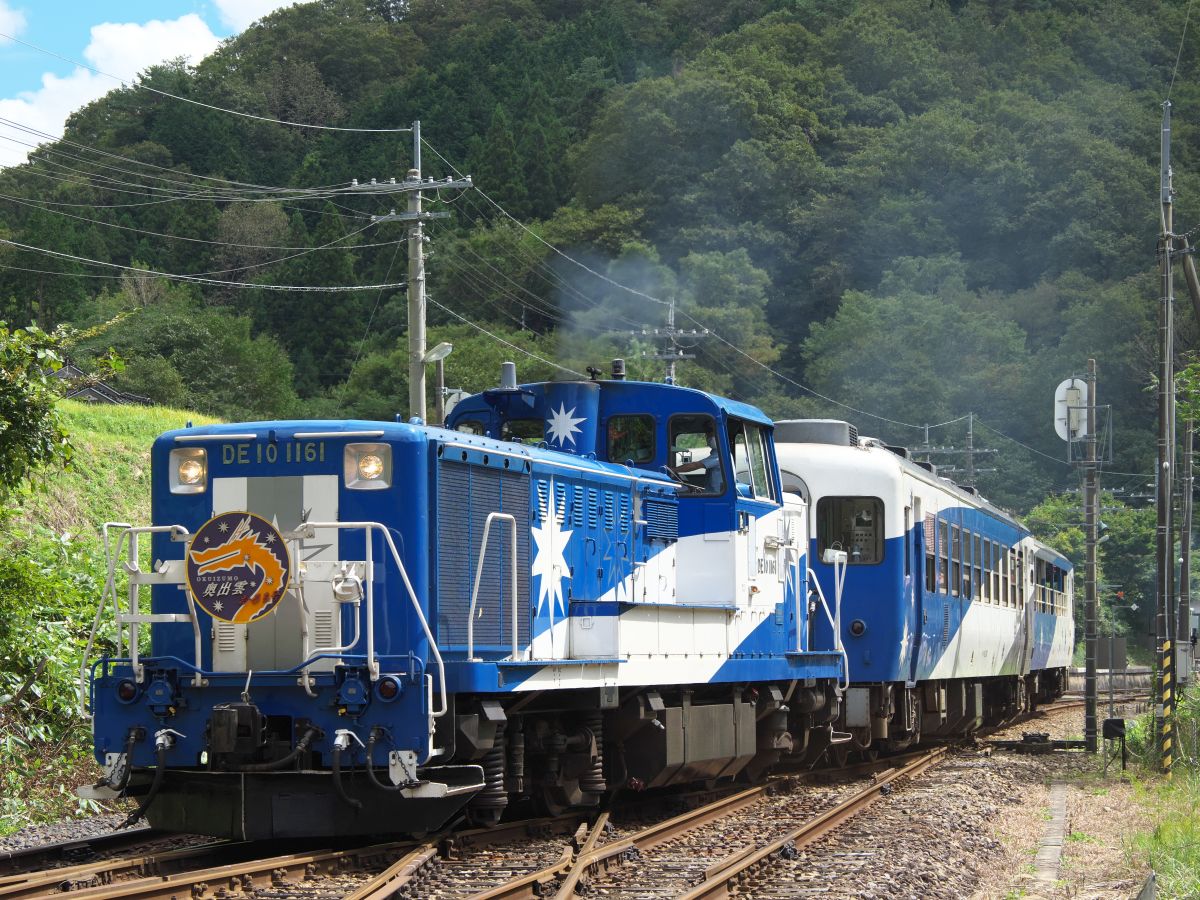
{"x": 126, "y": 543}
{"x": 308, "y": 530}
{"x": 483, "y": 545}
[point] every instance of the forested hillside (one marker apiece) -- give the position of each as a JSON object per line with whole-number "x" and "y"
{"x": 919, "y": 209}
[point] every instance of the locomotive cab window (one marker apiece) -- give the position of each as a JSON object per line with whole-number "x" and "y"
{"x": 470, "y": 426}
{"x": 631, "y": 439}
{"x": 750, "y": 463}
{"x": 694, "y": 454}
{"x": 853, "y": 524}
{"x": 523, "y": 430}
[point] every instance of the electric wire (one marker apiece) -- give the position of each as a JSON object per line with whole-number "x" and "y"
{"x": 63, "y": 141}
{"x": 1179, "y": 54}
{"x": 135, "y": 84}
{"x": 501, "y": 340}
{"x": 370, "y": 320}
{"x": 195, "y": 279}
{"x": 173, "y": 237}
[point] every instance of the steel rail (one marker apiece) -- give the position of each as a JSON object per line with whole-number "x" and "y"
{"x": 727, "y": 882}
{"x": 614, "y": 854}
{"x": 123, "y": 869}
{"x": 410, "y": 869}
{"x": 16, "y": 862}
{"x": 243, "y": 876}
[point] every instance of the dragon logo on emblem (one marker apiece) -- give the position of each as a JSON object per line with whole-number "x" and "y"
{"x": 238, "y": 567}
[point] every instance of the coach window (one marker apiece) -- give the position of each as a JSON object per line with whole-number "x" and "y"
{"x": 631, "y": 439}
{"x": 968, "y": 585}
{"x": 996, "y": 595}
{"x": 977, "y": 556}
{"x": 944, "y": 557}
{"x": 986, "y": 584}
{"x": 931, "y": 578}
{"x": 523, "y": 431}
{"x": 955, "y": 560}
{"x": 853, "y": 524}
{"x": 1004, "y": 566}
{"x": 694, "y": 454}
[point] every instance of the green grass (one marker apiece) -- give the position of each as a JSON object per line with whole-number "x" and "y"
{"x": 109, "y": 478}
{"x": 1173, "y": 847}
{"x": 51, "y": 574}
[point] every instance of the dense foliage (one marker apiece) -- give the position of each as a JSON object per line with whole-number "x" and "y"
{"x": 916, "y": 209}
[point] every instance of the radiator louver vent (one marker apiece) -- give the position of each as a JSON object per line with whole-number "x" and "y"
{"x": 662, "y": 519}
{"x": 227, "y": 637}
{"x": 323, "y": 628}
{"x": 466, "y": 495}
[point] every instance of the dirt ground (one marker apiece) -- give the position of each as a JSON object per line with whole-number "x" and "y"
{"x": 1099, "y": 861}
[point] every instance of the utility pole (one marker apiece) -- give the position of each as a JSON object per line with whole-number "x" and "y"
{"x": 969, "y": 452}
{"x": 1091, "y": 514}
{"x": 1166, "y": 391}
{"x": 673, "y": 352}
{"x": 416, "y": 288}
{"x": 1183, "y": 625}
{"x": 413, "y": 185}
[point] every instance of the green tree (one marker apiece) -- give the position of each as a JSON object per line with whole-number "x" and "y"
{"x": 31, "y": 435}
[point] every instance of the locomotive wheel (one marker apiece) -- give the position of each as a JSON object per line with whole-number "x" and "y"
{"x": 549, "y": 803}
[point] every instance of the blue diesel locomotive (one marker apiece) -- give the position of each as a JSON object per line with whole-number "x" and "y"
{"x": 363, "y": 627}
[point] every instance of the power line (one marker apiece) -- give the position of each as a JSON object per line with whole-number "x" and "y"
{"x": 233, "y": 112}
{"x": 1179, "y": 55}
{"x": 173, "y": 237}
{"x": 336, "y": 289}
{"x": 496, "y": 337}
{"x": 12, "y": 123}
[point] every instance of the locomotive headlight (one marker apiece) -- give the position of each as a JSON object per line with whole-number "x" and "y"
{"x": 368, "y": 467}
{"x": 189, "y": 470}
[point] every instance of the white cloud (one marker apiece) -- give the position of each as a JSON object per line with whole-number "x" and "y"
{"x": 12, "y": 21}
{"x": 121, "y": 49}
{"x": 237, "y": 14}
{"x": 126, "y": 49}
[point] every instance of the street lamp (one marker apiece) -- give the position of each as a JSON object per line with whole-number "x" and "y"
{"x": 438, "y": 355}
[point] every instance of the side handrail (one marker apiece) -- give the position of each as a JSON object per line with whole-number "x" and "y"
{"x": 483, "y": 545}
{"x": 835, "y": 621}
{"x": 372, "y": 662}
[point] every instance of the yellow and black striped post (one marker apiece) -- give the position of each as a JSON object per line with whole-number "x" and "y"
{"x": 1168, "y": 695}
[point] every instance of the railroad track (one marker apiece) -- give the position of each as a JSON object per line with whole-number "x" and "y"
{"x": 599, "y": 854}
{"x": 531, "y": 858}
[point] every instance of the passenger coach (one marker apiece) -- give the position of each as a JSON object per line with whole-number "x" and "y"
{"x": 952, "y": 614}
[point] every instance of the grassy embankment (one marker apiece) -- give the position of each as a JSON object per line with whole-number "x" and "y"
{"x": 1172, "y": 849}
{"x": 51, "y": 575}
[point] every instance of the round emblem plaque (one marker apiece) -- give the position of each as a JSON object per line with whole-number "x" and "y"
{"x": 238, "y": 567}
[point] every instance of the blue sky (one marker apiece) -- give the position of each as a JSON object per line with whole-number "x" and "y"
{"x": 119, "y": 37}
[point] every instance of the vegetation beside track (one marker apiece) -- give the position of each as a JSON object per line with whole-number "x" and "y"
{"x": 1172, "y": 848}
{"x": 51, "y": 575}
